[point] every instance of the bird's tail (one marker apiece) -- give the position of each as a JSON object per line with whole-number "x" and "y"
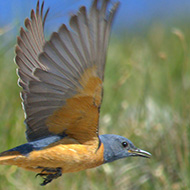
{"x": 8, "y": 157}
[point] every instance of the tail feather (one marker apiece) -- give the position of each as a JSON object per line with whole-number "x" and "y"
{"x": 9, "y": 157}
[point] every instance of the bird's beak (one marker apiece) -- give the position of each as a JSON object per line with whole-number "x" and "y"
{"x": 139, "y": 152}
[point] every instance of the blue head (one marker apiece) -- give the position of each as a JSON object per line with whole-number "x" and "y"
{"x": 117, "y": 147}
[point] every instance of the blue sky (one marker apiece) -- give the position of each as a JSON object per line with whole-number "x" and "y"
{"x": 132, "y": 15}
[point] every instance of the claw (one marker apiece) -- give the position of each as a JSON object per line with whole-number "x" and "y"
{"x": 52, "y": 173}
{"x": 46, "y": 181}
{"x": 40, "y": 174}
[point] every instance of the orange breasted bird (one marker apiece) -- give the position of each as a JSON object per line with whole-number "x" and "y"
{"x": 62, "y": 82}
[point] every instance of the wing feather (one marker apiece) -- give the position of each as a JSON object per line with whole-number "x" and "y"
{"x": 62, "y": 78}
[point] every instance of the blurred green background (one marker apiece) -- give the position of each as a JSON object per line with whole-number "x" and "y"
{"x": 146, "y": 99}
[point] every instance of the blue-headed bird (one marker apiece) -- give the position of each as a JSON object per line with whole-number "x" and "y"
{"x": 62, "y": 82}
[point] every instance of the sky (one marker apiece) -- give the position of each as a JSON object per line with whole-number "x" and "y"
{"x": 133, "y": 15}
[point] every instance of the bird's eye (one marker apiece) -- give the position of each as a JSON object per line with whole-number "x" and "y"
{"x": 125, "y": 144}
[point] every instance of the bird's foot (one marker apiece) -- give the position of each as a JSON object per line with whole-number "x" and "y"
{"x": 48, "y": 174}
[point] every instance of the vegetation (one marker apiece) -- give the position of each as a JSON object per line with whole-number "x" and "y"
{"x": 146, "y": 99}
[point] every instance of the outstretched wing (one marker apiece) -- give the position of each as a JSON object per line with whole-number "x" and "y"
{"x": 29, "y": 45}
{"x": 62, "y": 83}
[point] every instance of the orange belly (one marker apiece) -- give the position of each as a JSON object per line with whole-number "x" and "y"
{"x": 70, "y": 157}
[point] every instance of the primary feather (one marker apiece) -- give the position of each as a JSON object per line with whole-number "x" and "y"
{"x": 69, "y": 65}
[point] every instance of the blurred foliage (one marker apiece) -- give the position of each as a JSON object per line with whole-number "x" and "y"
{"x": 146, "y": 99}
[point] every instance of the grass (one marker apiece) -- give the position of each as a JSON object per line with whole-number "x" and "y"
{"x": 146, "y": 99}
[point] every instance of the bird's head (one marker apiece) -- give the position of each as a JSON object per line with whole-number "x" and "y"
{"x": 117, "y": 147}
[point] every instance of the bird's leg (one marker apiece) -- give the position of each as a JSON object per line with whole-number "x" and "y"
{"x": 48, "y": 174}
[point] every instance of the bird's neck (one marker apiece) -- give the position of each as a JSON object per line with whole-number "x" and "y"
{"x": 109, "y": 155}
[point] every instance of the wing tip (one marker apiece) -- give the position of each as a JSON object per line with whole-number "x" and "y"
{"x": 27, "y": 22}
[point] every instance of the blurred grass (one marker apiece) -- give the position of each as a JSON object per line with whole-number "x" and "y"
{"x": 146, "y": 99}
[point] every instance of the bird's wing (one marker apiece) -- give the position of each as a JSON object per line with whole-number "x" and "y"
{"x": 62, "y": 83}
{"x": 29, "y": 45}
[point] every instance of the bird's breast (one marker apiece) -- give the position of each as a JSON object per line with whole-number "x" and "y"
{"x": 70, "y": 157}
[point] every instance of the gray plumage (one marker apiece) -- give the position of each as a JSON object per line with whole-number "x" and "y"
{"x": 117, "y": 147}
{"x": 49, "y": 72}
{"x": 62, "y": 83}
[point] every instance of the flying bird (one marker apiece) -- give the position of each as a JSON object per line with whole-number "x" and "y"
{"x": 62, "y": 90}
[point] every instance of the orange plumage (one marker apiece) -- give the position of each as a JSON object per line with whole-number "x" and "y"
{"x": 70, "y": 157}
{"x": 62, "y": 92}
{"x": 62, "y": 81}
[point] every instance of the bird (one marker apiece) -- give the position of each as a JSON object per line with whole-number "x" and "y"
{"x": 62, "y": 90}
